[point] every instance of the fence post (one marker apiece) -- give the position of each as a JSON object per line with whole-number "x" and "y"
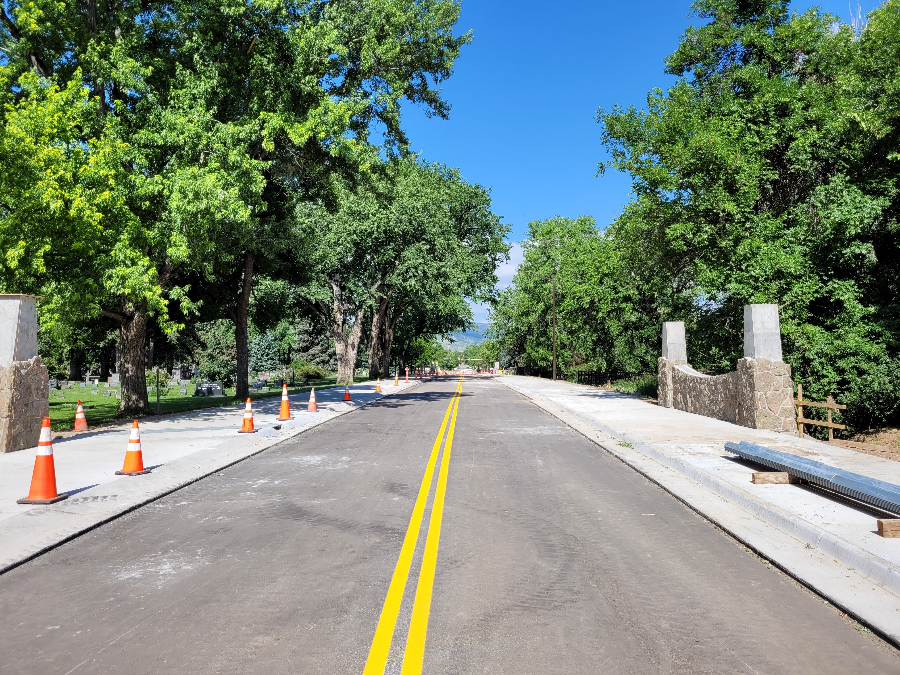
{"x": 830, "y": 429}
{"x": 800, "y": 409}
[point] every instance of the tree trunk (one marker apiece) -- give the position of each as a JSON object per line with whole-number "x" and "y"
{"x": 105, "y": 364}
{"x": 132, "y": 377}
{"x": 74, "y": 365}
{"x": 347, "y": 347}
{"x": 151, "y": 354}
{"x": 388, "y": 340}
{"x": 376, "y": 341}
{"x": 241, "y": 339}
{"x": 346, "y": 342}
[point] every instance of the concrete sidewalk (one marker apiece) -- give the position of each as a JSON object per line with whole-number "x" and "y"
{"x": 180, "y": 449}
{"x": 829, "y": 545}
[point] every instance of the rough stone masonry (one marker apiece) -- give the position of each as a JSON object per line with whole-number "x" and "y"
{"x": 759, "y": 394}
{"x": 24, "y": 392}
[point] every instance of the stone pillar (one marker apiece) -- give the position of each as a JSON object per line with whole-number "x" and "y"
{"x": 766, "y": 390}
{"x": 762, "y": 332}
{"x": 674, "y": 352}
{"x": 24, "y": 391}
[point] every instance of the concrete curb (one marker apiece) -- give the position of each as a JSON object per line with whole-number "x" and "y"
{"x": 72, "y": 518}
{"x": 877, "y": 604}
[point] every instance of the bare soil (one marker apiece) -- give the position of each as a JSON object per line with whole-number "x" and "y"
{"x": 889, "y": 439}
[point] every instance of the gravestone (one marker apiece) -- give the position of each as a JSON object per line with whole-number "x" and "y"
{"x": 24, "y": 381}
{"x": 209, "y": 389}
{"x": 113, "y": 380}
{"x": 182, "y": 391}
{"x": 83, "y": 385}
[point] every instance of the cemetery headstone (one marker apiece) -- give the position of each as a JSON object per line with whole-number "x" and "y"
{"x": 182, "y": 391}
{"x": 83, "y": 385}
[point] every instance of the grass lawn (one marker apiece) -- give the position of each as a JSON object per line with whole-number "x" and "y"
{"x": 100, "y": 409}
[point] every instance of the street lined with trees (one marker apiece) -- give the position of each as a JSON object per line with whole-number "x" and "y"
{"x": 160, "y": 161}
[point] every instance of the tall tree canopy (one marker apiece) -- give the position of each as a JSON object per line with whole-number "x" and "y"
{"x": 413, "y": 242}
{"x": 194, "y": 130}
{"x": 766, "y": 174}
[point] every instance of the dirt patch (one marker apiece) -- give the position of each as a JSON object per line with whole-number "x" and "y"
{"x": 888, "y": 439}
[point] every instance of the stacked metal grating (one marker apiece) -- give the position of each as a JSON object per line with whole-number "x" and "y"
{"x": 870, "y": 491}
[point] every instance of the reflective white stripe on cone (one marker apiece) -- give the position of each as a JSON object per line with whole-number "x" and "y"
{"x": 43, "y": 479}
{"x": 247, "y": 427}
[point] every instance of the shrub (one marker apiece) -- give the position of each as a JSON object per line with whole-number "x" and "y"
{"x": 873, "y": 400}
{"x": 639, "y": 385}
{"x": 219, "y": 370}
{"x": 303, "y": 369}
{"x": 160, "y": 375}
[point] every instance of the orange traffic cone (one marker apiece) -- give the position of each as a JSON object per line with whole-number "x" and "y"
{"x": 312, "y": 400}
{"x": 397, "y": 378}
{"x": 347, "y": 393}
{"x": 80, "y": 419}
{"x": 134, "y": 460}
{"x": 407, "y": 373}
{"x": 43, "y": 480}
{"x": 285, "y": 404}
{"x": 378, "y": 385}
{"x": 247, "y": 426}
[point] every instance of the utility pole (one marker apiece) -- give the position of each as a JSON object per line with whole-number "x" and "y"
{"x": 553, "y": 295}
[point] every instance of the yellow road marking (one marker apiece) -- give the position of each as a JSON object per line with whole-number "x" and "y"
{"x": 418, "y": 627}
{"x": 384, "y": 633}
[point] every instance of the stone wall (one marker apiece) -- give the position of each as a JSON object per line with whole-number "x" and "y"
{"x": 24, "y": 402}
{"x": 758, "y": 394}
{"x": 770, "y": 394}
{"x": 716, "y": 396}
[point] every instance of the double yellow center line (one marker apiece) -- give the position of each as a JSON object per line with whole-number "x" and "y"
{"x": 384, "y": 633}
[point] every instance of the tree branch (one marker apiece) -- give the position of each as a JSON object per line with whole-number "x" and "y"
{"x": 36, "y": 62}
{"x": 113, "y": 315}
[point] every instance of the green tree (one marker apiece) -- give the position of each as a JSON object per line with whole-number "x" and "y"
{"x": 264, "y": 356}
{"x": 408, "y": 247}
{"x": 754, "y": 182}
{"x": 209, "y": 122}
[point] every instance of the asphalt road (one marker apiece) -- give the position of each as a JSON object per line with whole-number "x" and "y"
{"x": 553, "y": 557}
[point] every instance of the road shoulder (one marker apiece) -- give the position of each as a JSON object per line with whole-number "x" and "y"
{"x": 860, "y": 582}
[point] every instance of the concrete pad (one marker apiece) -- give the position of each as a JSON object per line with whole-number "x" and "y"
{"x": 180, "y": 449}
{"x": 827, "y": 544}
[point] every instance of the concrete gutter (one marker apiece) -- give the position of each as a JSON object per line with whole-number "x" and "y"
{"x": 39, "y": 529}
{"x": 862, "y": 584}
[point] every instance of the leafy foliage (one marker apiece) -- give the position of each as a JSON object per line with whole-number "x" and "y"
{"x": 766, "y": 174}
{"x": 264, "y": 354}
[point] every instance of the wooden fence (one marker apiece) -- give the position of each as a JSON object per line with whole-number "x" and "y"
{"x": 829, "y": 404}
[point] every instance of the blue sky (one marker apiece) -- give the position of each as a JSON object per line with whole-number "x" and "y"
{"x": 526, "y": 91}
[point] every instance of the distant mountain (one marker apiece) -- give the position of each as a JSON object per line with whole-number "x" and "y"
{"x": 463, "y": 339}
